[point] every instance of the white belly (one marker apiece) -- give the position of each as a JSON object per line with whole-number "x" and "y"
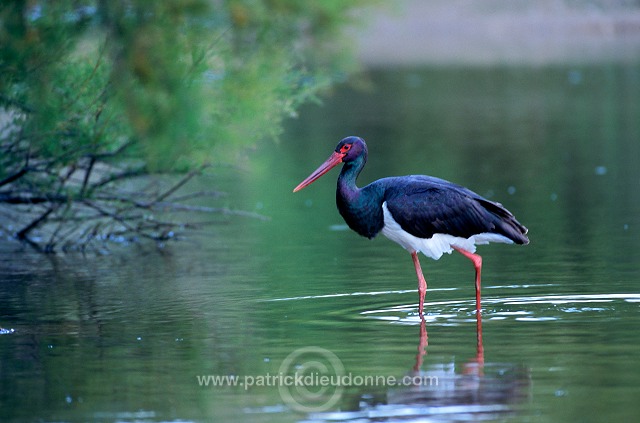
{"x": 438, "y": 244}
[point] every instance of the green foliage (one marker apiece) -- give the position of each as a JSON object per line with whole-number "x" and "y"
{"x": 176, "y": 77}
{"x": 95, "y": 91}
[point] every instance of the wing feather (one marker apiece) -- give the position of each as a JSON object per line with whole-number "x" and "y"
{"x": 424, "y": 206}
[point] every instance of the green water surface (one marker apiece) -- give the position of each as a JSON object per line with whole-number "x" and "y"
{"x": 125, "y": 337}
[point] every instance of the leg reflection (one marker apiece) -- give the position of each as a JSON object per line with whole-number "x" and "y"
{"x": 422, "y": 345}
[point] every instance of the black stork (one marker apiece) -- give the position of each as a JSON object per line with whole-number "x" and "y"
{"x": 421, "y": 213}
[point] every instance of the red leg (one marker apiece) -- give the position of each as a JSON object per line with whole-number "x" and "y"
{"x": 422, "y": 283}
{"x": 477, "y": 263}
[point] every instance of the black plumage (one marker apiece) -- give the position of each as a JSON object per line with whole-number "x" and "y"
{"x": 419, "y": 208}
{"x": 424, "y": 206}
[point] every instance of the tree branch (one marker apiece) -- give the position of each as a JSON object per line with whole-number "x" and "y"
{"x": 22, "y": 233}
{"x": 15, "y": 176}
{"x": 87, "y": 175}
{"x": 180, "y": 183}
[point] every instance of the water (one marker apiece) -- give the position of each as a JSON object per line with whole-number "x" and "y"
{"x": 124, "y": 337}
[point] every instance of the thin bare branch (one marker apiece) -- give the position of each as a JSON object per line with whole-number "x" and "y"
{"x": 15, "y": 176}
{"x": 205, "y": 209}
{"x": 178, "y": 185}
{"x": 199, "y": 194}
{"x": 127, "y": 174}
{"x": 22, "y": 233}
{"x": 87, "y": 176}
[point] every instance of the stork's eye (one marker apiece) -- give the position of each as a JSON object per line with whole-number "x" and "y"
{"x": 345, "y": 148}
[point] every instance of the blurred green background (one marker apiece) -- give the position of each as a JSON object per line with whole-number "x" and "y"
{"x": 545, "y": 119}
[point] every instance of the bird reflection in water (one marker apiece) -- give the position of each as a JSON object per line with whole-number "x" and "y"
{"x": 477, "y": 391}
{"x": 432, "y": 216}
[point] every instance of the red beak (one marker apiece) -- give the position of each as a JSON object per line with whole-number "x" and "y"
{"x": 333, "y": 160}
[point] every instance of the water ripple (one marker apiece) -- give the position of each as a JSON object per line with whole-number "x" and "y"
{"x": 527, "y": 308}
{"x": 353, "y": 294}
